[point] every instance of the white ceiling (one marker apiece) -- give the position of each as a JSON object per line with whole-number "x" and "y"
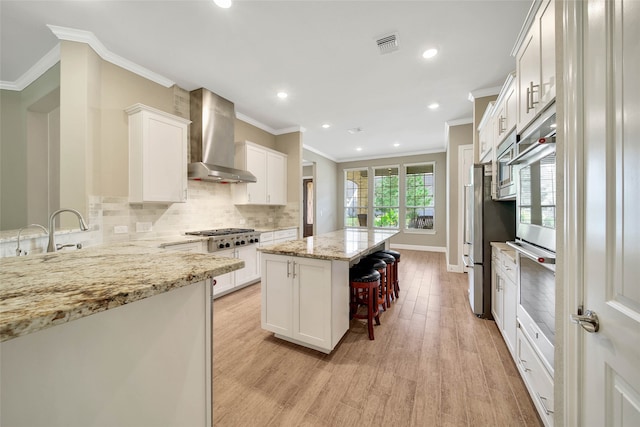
{"x": 323, "y": 53}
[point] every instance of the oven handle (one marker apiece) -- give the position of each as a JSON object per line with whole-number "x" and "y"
{"x": 542, "y": 259}
{"x": 539, "y": 149}
{"x": 464, "y": 261}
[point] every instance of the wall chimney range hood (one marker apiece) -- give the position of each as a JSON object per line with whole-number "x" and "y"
{"x": 212, "y": 140}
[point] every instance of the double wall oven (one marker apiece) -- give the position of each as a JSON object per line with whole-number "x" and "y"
{"x": 535, "y": 179}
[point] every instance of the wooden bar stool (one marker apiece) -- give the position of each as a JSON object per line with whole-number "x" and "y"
{"x": 363, "y": 285}
{"x": 390, "y": 261}
{"x": 381, "y": 267}
{"x": 396, "y": 282}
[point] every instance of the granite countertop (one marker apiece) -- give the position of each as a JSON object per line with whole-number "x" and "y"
{"x": 343, "y": 245}
{"x": 505, "y": 249}
{"x": 48, "y": 289}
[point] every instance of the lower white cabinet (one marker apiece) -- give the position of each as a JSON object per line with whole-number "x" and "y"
{"x": 235, "y": 280}
{"x": 305, "y": 300}
{"x": 504, "y": 295}
{"x": 535, "y": 376}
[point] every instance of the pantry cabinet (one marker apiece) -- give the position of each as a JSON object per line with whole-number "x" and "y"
{"x": 157, "y": 156}
{"x": 535, "y": 64}
{"x": 270, "y": 170}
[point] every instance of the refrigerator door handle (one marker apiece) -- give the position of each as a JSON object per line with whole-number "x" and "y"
{"x": 467, "y": 187}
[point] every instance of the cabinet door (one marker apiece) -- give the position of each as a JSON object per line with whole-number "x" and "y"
{"x": 511, "y": 107}
{"x": 528, "y": 78}
{"x": 276, "y": 179}
{"x": 496, "y": 295}
{"x": 500, "y": 124}
{"x": 277, "y": 294}
{"x": 257, "y": 165}
{"x": 251, "y": 270}
{"x": 509, "y": 321}
{"x": 547, "y": 54}
{"x": 312, "y": 301}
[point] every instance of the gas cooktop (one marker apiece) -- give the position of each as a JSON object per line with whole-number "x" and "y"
{"x": 220, "y": 232}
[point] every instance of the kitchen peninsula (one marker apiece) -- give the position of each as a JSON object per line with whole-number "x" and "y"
{"x": 305, "y": 285}
{"x": 111, "y": 335}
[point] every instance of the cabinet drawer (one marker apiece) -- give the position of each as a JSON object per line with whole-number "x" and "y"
{"x": 266, "y": 238}
{"x": 508, "y": 266}
{"x": 536, "y": 377}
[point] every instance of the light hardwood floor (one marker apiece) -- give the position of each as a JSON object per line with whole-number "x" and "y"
{"x": 432, "y": 363}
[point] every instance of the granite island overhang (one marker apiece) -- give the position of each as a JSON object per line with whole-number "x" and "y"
{"x": 305, "y": 285}
{"x": 117, "y": 334}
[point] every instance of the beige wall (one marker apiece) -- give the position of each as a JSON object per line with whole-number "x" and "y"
{"x": 458, "y": 135}
{"x": 291, "y": 145}
{"x": 433, "y": 240}
{"x": 326, "y": 192}
{"x": 14, "y": 110}
{"x": 247, "y": 132}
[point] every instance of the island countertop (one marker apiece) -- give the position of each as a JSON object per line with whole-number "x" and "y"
{"x": 347, "y": 244}
{"x": 44, "y": 290}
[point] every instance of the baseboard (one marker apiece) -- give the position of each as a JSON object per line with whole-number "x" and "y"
{"x": 418, "y": 247}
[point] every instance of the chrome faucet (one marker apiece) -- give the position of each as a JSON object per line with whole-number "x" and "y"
{"x": 51, "y": 247}
{"x": 20, "y": 252}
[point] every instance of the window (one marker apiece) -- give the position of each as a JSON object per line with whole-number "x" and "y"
{"x": 356, "y": 192}
{"x": 419, "y": 186}
{"x": 386, "y": 200}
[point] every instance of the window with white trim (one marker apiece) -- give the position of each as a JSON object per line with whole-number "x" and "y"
{"x": 386, "y": 200}
{"x": 356, "y": 197}
{"x": 420, "y": 196}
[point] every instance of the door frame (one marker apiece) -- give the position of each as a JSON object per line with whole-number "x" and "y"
{"x": 306, "y": 179}
{"x": 568, "y": 390}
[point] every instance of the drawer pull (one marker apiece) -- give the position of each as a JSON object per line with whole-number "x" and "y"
{"x": 524, "y": 366}
{"x": 543, "y": 401}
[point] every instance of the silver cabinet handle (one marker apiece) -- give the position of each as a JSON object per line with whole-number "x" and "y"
{"x": 523, "y": 364}
{"x": 589, "y": 321}
{"x": 544, "y": 406}
{"x": 294, "y": 269}
{"x": 288, "y": 273}
{"x": 530, "y": 90}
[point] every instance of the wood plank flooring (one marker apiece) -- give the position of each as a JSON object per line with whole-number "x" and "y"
{"x": 432, "y": 363}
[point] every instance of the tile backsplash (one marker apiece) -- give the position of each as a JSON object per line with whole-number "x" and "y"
{"x": 209, "y": 205}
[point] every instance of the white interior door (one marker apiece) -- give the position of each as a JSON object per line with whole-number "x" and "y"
{"x": 465, "y": 156}
{"x": 610, "y": 358}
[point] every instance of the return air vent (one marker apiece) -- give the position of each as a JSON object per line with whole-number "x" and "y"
{"x": 388, "y": 43}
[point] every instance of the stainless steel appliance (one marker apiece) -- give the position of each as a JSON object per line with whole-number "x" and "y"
{"x": 536, "y": 298}
{"x": 225, "y": 238}
{"x": 486, "y": 220}
{"x": 536, "y": 187}
{"x": 506, "y": 182}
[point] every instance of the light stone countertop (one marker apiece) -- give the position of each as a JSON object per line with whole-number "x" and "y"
{"x": 506, "y": 249}
{"x": 343, "y": 245}
{"x": 48, "y": 289}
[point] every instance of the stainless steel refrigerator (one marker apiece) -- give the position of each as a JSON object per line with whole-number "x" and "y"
{"x": 485, "y": 221}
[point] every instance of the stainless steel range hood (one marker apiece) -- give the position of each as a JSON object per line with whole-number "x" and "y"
{"x": 212, "y": 140}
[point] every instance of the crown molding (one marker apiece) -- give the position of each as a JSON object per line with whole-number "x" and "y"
{"x": 87, "y": 37}
{"x": 255, "y": 123}
{"x": 39, "y": 68}
{"x": 458, "y": 122}
{"x": 481, "y": 93}
{"x": 290, "y": 130}
{"x": 319, "y": 153}
{"x": 391, "y": 157}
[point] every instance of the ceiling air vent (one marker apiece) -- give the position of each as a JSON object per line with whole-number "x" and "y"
{"x": 388, "y": 43}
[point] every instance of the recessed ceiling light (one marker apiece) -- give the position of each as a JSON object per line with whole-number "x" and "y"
{"x": 326, "y": 125}
{"x": 429, "y": 53}
{"x": 396, "y": 144}
{"x": 282, "y": 95}
{"x": 434, "y": 105}
{"x": 225, "y": 4}
{"x": 358, "y": 148}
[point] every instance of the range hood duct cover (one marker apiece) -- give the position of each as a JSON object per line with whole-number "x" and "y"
{"x": 212, "y": 139}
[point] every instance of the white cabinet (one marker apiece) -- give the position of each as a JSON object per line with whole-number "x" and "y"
{"x": 157, "y": 156}
{"x": 270, "y": 170}
{"x": 279, "y": 236}
{"x": 505, "y": 110}
{"x": 535, "y": 376}
{"x": 235, "y": 280}
{"x": 302, "y": 301}
{"x": 486, "y": 135}
{"x": 504, "y": 299}
{"x": 535, "y": 65}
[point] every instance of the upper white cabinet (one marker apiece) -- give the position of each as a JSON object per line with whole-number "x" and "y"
{"x": 486, "y": 135}
{"x": 270, "y": 170}
{"x": 535, "y": 64}
{"x": 505, "y": 110}
{"x": 157, "y": 155}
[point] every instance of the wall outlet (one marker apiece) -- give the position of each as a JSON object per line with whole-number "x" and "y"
{"x": 143, "y": 227}
{"x": 120, "y": 229}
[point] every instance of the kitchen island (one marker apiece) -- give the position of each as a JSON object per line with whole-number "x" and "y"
{"x": 111, "y": 335}
{"x": 305, "y": 285}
